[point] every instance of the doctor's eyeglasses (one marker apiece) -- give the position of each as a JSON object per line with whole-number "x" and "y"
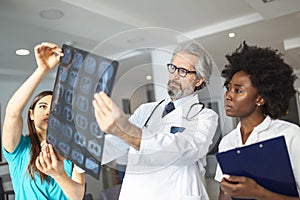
{"x": 181, "y": 71}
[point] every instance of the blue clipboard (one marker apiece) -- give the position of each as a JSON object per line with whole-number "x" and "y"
{"x": 267, "y": 162}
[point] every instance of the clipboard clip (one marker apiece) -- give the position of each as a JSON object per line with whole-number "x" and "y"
{"x": 260, "y": 146}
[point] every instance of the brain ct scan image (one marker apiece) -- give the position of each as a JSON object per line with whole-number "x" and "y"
{"x": 72, "y": 129}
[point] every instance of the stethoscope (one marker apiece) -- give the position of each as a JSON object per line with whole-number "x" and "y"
{"x": 188, "y": 117}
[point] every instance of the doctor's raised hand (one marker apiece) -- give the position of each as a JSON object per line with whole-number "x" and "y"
{"x": 111, "y": 120}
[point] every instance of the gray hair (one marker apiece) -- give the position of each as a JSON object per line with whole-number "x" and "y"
{"x": 205, "y": 64}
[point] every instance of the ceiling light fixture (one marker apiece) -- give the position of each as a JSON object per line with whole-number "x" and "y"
{"x": 51, "y": 14}
{"x": 231, "y": 35}
{"x": 149, "y": 77}
{"x": 22, "y": 52}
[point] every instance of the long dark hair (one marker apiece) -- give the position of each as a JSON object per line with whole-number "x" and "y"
{"x": 35, "y": 148}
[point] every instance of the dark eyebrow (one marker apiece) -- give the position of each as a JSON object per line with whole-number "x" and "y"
{"x": 42, "y": 103}
{"x": 234, "y": 85}
{"x": 239, "y": 85}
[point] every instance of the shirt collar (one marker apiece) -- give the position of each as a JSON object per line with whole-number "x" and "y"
{"x": 180, "y": 101}
{"x": 265, "y": 124}
{"x": 260, "y": 127}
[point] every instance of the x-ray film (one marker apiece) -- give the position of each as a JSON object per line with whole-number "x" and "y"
{"x": 72, "y": 128}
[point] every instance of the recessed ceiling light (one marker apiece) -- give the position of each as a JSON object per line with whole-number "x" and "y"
{"x": 51, "y": 14}
{"x": 148, "y": 77}
{"x": 231, "y": 35}
{"x": 22, "y": 52}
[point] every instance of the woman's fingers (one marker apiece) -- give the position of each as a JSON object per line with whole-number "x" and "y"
{"x": 41, "y": 161}
{"x": 46, "y": 156}
{"x": 47, "y": 47}
{"x": 53, "y": 155}
{"x": 47, "y": 55}
{"x": 43, "y": 143}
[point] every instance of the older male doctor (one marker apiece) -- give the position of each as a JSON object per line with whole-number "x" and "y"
{"x": 169, "y": 139}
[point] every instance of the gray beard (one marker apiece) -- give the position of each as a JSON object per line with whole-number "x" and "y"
{"x": 179, "y": 93}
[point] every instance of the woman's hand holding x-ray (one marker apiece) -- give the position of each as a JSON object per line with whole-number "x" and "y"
{"x": 47, "y": 55}
{"x": 49, "y": 162}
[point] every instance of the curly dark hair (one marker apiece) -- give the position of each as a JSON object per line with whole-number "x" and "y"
{"x": 269, "y": 74}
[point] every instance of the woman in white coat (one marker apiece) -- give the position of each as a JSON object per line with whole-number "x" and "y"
{"x": 259, "y": 87}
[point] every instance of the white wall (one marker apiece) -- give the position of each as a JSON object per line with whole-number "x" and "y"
{"x": 160, "y": 72}
{"x": 125, "y": 88}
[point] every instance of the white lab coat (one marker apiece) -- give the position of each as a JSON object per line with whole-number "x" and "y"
{"x": 168, "y": 166}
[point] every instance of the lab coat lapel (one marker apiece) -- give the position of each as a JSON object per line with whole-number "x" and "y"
{"x": 175, "y": 115}
{"x": 180, "y": 111}
{"x": 174, "y": 118}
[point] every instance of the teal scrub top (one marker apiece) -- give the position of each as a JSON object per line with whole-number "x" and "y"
{"x": 24, "y": 186}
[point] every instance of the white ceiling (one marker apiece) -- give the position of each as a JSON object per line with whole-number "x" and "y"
{"x": 116, "y": 29}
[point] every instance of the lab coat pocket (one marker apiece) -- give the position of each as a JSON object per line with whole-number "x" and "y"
{"x": 175, "y": 129}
